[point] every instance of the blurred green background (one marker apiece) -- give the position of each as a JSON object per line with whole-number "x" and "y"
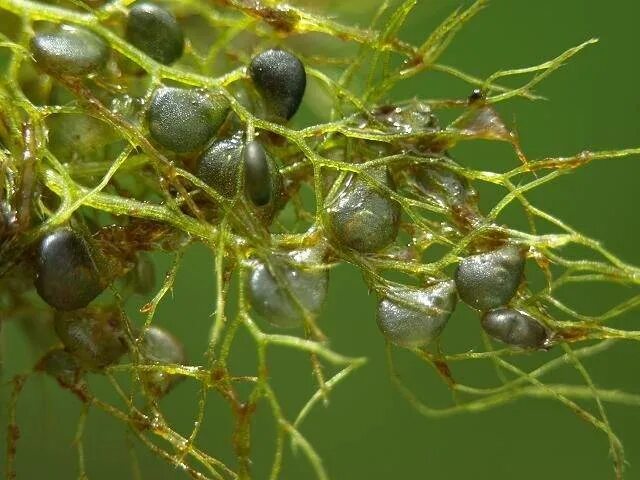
{"x": 369, "y": 431}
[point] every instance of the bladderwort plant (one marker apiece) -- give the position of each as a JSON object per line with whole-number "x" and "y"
{"x": 126, "y": 129}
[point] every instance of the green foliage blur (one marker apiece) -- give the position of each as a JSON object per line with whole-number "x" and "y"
{"x": 368, "y": 431}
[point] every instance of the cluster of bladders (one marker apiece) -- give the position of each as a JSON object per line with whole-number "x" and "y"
{"x": 288, "y": 287}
